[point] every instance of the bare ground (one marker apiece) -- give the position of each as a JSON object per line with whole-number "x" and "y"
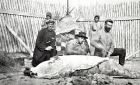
{"x": 17, "y": 77}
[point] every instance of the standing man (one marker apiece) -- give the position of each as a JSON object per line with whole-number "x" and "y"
{"x": 95, "y": 26}
{"x": 45, "y": 44}
{"x": 104, "y": 45}
{"x": 78, "y": 46}
{"x": 48, "y": 16}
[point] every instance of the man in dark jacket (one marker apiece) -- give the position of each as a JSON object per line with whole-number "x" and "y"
{"x": 45, "y": 44}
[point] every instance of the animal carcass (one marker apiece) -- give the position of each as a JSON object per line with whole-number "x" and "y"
{"x": 80, "y": 65}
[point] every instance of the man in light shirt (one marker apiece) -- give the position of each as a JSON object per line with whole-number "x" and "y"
{"x": 103, "y": 42}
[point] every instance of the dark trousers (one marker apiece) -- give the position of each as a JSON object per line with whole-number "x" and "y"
{"x": 121, "y": 52}
{"x": 46, "y": 56}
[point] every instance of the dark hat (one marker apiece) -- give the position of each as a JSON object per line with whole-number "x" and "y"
{"x": 49, "y": 14}
{"x": 81, "y": 34}
{"x": 50, "y": 21}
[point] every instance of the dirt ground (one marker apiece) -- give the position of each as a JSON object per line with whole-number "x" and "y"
{"x": 17, "y": 78}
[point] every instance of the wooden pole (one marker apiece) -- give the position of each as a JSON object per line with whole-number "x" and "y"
{"x": 132, "y": 54}
{"x": 67, "y": 7}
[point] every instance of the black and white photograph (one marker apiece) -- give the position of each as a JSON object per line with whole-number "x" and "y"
{"x": 69, "y": 42}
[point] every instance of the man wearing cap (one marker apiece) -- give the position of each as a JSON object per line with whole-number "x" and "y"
{"x": 45, "y": 44}
{"x": 78, "y": 46}
{"x": 94, "y": 27}
{"x": 104, "y": 43}
{"x": 48, "y": 16}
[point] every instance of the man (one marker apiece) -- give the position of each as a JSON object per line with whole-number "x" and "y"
{"x": 45, "y": 44}
{"x": 78, "y": 46}
{"x": 104, "y": 45}
{"x": 48, "y": 16}
{"x": 95, "y": 26}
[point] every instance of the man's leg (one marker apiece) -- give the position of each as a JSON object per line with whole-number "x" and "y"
{"x": 47, "y": 56}
{"x": 121, "y": 52}
{"x": 34, "y": 62}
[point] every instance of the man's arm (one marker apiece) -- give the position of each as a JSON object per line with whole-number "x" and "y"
{"x": 112, "y": 45}
{"x": 39, "y": 42}
{"x": 95, "y": 42}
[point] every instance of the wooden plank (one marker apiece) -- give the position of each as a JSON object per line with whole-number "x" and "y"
{"x": 21, "y": 13}
{"x": 131, "y": 55}
{"x": 3, "y": 33}
{"x": 79, "y": 20}
{"x": 19, "y": 39}
{"x": 114, "y": 19}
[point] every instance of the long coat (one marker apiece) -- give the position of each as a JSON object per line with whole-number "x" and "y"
{"x": 44, "y": 39}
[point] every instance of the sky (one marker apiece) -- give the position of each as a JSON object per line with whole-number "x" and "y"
{"x": 76, "y": 3}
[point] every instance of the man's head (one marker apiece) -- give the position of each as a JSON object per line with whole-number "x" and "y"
{"x": 108, "y": 25}
{"x": 96, "y": 18}
{"x": 50, "y": 24}
{"x": 81, "y": 37}
{"x": 48, "y": 15}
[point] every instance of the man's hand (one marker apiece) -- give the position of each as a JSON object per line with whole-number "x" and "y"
{"x": 48, "y": 48}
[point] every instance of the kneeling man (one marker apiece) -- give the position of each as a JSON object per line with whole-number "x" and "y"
{"x": 104, "y": 45}
{"x": 78, "y": 46}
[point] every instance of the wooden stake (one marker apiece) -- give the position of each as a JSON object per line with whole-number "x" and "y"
{"x": 132, "y": 54}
